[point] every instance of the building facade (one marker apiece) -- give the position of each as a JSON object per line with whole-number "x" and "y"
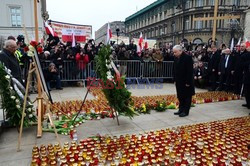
{"x": 100, "y": 34}
{"x": 172, "y": 21}
{"x": 15, "y": 14}
{"x": 247, "y": 25}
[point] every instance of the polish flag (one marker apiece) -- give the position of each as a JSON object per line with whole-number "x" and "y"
{"x": 140, "y": 42}
{"x": 73, "y": 40}
{"x": 109, "y": 34}
{"x": 247, "y": 43}
{"x": 145, "y": 43}
{"x": 49, "y": 30}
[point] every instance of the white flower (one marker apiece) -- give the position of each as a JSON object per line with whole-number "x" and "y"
{"x": 109, "y": 66}
{"x": 29, "y": 110}
{"x": 7, "y": 77}
{"x": 18, "y": 106}
{"x": 30, "y": 115}
{"x": 11, "y": 88}
{"x": 17, "y": 101}
{"x": 92, "y": 111}
{"x": 13, "y": 97}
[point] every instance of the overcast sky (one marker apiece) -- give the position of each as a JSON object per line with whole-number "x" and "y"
{"x": 93, "y": 12}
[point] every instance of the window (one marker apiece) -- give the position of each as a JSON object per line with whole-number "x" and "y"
{"x": 236, "y": 2}
{"x": 211, "y": 2}
{"x": 173, "y": 27}
{"x": 188, "y": 4}
{"x": 198, "y": 24}
{"x": 187, "y": 24}
{"x": 199, "y": 3}
{"x": 15, "y": 14}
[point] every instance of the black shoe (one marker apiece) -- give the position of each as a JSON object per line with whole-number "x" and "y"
{"x": 59, "y": 88}
{"x": 177, "y": 113}
{"x": 183, "y": 115}
{"x": 244, "y": 105}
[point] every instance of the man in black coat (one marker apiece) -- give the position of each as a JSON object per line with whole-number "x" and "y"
{"x": 238, "y": 75}
{"x": 245, "y": 62}
{"x": 213, "y": 63}
{"x": 8, "y": 58}
{"x": 184, "y": 80}
{"x": 226, "y": 70}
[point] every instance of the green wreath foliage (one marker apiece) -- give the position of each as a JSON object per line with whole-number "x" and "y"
{"x": 12, "y": 103}
{"x": 118, "y": 96}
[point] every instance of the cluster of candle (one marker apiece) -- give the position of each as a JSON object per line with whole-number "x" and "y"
{"x": 100, "y": 105}
{"x": 215, "y": 143}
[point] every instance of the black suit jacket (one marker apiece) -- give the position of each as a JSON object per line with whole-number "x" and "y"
{"x": 11, "y": 62}
{"x": 183, "y": 74}
{"x": 245, "y": 63}
{"x": 230, "y": 64}
{"x": 213, "y": 62}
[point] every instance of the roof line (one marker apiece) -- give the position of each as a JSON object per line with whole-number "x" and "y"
{"x": 145, "y": 9}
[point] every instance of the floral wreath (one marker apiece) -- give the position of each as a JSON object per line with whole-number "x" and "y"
{"x": 113, "y": 86}
{"x": 12, "y": 93}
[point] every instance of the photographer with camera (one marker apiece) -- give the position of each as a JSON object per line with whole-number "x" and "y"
{"x": 52, "y": 74}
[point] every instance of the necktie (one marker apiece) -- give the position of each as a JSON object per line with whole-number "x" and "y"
{"x": 227, "y": 57}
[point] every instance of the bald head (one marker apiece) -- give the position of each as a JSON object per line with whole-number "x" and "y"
{"x": 226, "y": 51}
{"x": 242, "y": 47}
{"x": 177, "y": 50}
{"x": 10, "y": 45}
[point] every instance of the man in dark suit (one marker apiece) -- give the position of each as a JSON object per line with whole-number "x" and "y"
{"x": 238, "y": 74}
{"x": 184, "y": 80}
{"x": 213, "y": 63}
{"x": 226, "y": 70}
{"x": 8, "y": 58}
{"x": 245, "y": 63}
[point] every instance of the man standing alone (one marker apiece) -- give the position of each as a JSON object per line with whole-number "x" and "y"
{"x": 183, "y": 78}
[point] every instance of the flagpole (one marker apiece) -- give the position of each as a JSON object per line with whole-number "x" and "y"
{"x": 36, "y": 21}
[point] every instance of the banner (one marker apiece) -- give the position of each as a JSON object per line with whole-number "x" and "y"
{"x": 80, "y": 35}
{"x": 64, "y": 31}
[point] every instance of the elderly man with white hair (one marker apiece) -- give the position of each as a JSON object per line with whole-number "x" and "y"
{"x": 184, "y": 80}
{"x": 226, "y": 70}
{"x": 8, "y": 58}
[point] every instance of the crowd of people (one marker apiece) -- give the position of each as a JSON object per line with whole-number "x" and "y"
{"x": 214, "y": 68}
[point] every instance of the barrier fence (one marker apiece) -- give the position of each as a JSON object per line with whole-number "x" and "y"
{"x": 133, "y": 69}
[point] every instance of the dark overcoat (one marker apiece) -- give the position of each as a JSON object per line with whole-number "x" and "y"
{"x": 183, "y": 75}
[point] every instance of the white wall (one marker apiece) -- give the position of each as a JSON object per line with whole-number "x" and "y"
{"x": 27, "y": 18}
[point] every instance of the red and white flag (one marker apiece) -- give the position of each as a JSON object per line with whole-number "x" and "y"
{"x": 109, "y": 34}
{"x": 73, "y": 40}
{"x": 49, "y": 30}
{"x": 247, "y": 42}
{"x": 145, "y": 43}
{"x": 140, "y": 43}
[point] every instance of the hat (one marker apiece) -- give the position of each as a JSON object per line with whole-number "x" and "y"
{"x": 51, "y": 64}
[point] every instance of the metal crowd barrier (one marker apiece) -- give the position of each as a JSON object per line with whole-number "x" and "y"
{"x": 133, "y": 69}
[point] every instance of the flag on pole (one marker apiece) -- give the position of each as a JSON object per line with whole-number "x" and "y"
{"x": 109, "y": 34}
{"x": 73, "y": 40}
{"x": 145, "y": 43}
{"x": 247, "y": 42}
{"x": 49, "y": 30}
{"x": 239, "y": 42}
{"x": 140, "y": 43}
{"x": 232, "y": 44}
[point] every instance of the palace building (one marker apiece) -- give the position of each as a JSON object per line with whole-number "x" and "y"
{"x": 174, "y": 21}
